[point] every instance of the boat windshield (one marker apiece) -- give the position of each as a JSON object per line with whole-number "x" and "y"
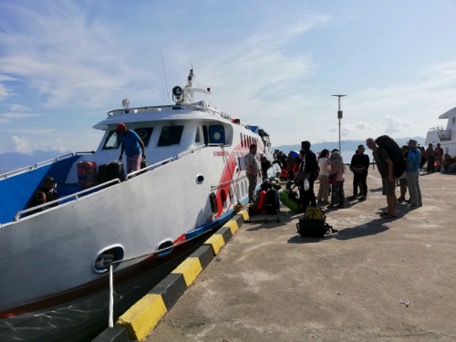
{"x": 112, "y": 141}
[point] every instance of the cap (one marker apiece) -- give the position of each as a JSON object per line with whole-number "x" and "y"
{"x": 121, "y": 127}
{"x": 335, "y": 150}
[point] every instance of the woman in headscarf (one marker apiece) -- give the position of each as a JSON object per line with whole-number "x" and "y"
{"x": 338, "y": 172}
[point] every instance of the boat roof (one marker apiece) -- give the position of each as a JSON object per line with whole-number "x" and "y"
{"x": 448, "y": 114}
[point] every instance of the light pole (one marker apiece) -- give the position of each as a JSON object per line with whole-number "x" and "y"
{"x": 339, "y": 116}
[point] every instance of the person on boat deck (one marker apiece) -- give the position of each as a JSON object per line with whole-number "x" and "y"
{"x": 46, "y": 193}
{"x": 252, "y": 170}
{"x": 133, "y": 147}
{"x": 385, "y": 167}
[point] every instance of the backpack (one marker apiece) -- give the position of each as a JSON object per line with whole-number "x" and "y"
{"x": 313, "y": 224}
{"x": 272, "y": 203}
{"x": 394, "y": 152}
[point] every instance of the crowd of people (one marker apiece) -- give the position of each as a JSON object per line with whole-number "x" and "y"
{"x": 305, "y": 167}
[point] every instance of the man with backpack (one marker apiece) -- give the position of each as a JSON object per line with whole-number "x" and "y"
{"x": 385, "y": 167}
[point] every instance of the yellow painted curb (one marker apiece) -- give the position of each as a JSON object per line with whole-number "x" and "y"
{"x": 190, "y": 268}
{"x": 217, "y": 242}
{"x": 143, "y": 316}
{"x": 245, "y": 214}
{"x": 232, "y": 225}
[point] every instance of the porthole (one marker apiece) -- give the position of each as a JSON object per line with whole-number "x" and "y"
{"x": 106, "y": 257}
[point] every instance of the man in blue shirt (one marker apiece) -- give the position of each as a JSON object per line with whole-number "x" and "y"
{"x": 413, "y": 174}
{"x": 133, "y": 147}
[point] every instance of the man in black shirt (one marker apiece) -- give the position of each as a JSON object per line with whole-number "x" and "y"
{"x": 308, "y": 169}
{"x": 359, "y": 165}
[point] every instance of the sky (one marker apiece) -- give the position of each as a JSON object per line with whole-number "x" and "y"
{"x": 65, "y": 64}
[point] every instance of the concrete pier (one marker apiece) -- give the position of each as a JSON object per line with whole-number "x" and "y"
{"x": 376, "y": 280}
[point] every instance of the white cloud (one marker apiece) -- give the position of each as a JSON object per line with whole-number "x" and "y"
{"x": 19, "y": 108}
{"x": 21, "y": 145}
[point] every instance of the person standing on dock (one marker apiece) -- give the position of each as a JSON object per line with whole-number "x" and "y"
{"x": 133, "y": 147}
{"x": 359, "y": 165}
{"x": 385, "y": 167}
{"x": 413, "y": 174}
{"x": 308, "y": 170}
{"x": 252, "y": 170}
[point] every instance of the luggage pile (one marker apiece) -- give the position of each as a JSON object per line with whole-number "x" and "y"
{"x": 110, "y": 171}
{"x": 87, "y": 174}
{"x": 313, "y": 224}
{"x": 268, "y": 199}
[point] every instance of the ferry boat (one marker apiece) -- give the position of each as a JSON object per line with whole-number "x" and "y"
{"x": 445, "y": 136}
{"x": 60, "y": 252}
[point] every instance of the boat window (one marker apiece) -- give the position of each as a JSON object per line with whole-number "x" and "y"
{"x": 112, "y": 141}
{"x": 198, "y": 135}
{"x": 216, "y": 134}
{"x": 205, "y": 135}
{"x": 170, "y": 135}
{"x": 144, "y": 133}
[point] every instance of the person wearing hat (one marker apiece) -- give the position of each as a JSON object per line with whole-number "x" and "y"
{"x": 413, "y": 174}
{"x": 133, "y": 147}
{"x": 359, "y": 165}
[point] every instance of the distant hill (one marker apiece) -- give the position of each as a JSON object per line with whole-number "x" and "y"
{"x": 346, "y": 145}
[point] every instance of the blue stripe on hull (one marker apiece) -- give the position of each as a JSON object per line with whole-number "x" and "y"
{"x": 210, "y": 225}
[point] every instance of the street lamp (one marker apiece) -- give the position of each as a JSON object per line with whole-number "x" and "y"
{"x": 339, "y": 116}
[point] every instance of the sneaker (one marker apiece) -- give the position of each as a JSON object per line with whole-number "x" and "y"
{"x": 351, "y": 198}
{"x": 401, "y": 199}
{"x": 362, "y": 198}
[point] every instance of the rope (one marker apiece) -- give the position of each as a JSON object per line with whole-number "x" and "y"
{"x": 111, "y": 298}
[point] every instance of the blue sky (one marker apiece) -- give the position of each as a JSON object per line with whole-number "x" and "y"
{"x": 65, "y": 64}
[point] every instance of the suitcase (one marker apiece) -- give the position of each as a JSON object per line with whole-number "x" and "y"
{"x": 107, "y": 172}
{"x": 87, "y": 174}
{"x": 289, "y": 201}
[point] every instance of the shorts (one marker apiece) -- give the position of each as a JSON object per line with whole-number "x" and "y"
{"x": 388, "y": 188}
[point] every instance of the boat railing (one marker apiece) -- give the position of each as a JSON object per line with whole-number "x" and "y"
{"x": 74, "y": 196}
{"x": 77, "y": 195}
{"x": 223, "y": 184}
{"x": 438, "y": 128}
{"x": 42, "y": 163}
{"x": 194, "y": 106}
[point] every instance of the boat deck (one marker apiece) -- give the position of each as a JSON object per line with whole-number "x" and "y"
{"x": 376, "y": 280}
